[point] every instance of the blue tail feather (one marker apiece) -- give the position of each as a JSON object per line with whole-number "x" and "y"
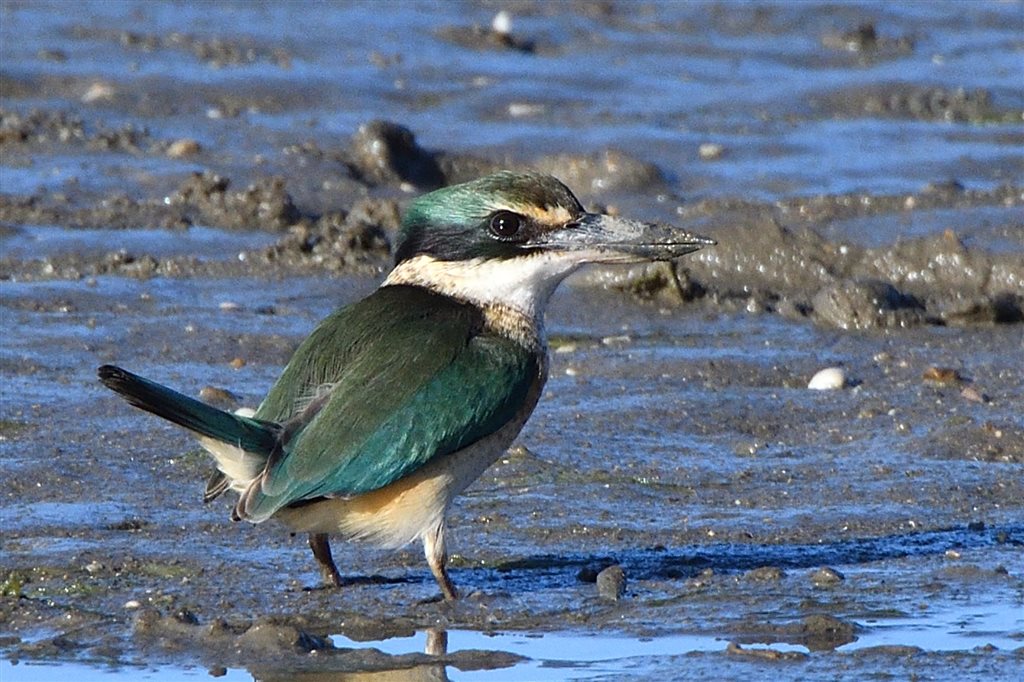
{"x": 252, "y": 435}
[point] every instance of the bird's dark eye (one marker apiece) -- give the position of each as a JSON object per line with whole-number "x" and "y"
{"x": 506, "y": 224}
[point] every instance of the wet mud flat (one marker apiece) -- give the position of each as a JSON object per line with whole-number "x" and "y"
{"x": 678, "y": 478}
{"x": 190, "y": 203}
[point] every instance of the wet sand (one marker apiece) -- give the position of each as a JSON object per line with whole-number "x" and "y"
{"x": 188, "y": 204}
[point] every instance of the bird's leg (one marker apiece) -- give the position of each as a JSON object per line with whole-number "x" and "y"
{"x": 437, "y": 559}
{"x": 321, "y": 547}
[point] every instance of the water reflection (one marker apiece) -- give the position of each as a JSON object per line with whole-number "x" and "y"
{"x": 405, "y": 667}
{"x": 421, "y": 673}
{"x": 437, "y": 643}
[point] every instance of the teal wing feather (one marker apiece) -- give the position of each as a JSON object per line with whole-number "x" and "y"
{"x": 382, "y": 388}
{"x": 352, "y": 337}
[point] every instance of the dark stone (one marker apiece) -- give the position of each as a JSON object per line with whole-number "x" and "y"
{"x": 387, "y": 153}
{"x": 611, "y": 583}
{"x": 268, "y": 636}
{"x": 766, "y": 574}
{"x": 822, "y": 632}
{"x": 827, "y": 576}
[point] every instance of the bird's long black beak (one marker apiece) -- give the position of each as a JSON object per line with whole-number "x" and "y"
{"x": 597, "y": 238}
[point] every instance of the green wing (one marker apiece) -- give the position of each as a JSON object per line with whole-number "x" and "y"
{"x": 360, "y": 334}
{"x": 382, "y": 387}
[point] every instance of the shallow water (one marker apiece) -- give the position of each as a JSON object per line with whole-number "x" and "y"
{"x": 560, "y": 656}
{"x": 204, "y": 242}
{"x": 657, "y": 80}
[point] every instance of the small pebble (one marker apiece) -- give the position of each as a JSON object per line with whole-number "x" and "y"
{"x": 229, "y": 306}
{"x": 132, "y": 604}
{"x": 949, "y": 236}
{"x": 952, "y": 554}
{"x": 611, "y": 583}
{"x": 523, "y": 109}
{"x": 992, "y": 430}
{"x": 702, "y": 579}
{"x": 828, "y": 379}
{"x": 97, "y": 91}
{"x": 943, "y": 376}
{"x": 238, "y": 363}
{"x": 766, "y": 574}
{"x": 59, "y": 56}
{"x": 616, "y": 340}
{"x": 185, "y": 617}
{"x": 747, "y": 448}
{"x": 827, "y": 576}
{"x": 502, "y": 23}
{"x": 218, "y": 397}
{"x": 974, "y": 395}
{"x": 734, "y": 649}
{"x": 709, "y": 151}
{"x": 179, "y": 149}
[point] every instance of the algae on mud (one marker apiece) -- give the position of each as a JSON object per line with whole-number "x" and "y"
{"x": 866, "y": 197}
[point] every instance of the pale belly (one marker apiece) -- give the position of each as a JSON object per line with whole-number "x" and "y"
{"x": 407, "y": 509}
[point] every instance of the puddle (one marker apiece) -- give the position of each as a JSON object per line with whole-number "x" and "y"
{"x": 553, "y": 655}
{"x": 956, "y": 629}
{"x": 48, "y": 672}
{"x": 559, "y": 656}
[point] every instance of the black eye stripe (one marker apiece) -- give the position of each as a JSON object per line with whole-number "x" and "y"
{"x": 506, "y": 225}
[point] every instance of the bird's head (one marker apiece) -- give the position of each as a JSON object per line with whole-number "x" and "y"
{"x": 512, "y": 237}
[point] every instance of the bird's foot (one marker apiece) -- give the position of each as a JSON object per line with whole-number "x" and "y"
{"x": 318, "y": 542}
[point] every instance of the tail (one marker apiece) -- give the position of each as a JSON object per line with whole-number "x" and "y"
{"x": 248, "y": 434}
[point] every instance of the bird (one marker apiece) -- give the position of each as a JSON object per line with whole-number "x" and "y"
{"x": 396, "y": 403}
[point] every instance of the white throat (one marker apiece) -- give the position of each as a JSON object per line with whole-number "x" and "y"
{"x": 523, "y": 284}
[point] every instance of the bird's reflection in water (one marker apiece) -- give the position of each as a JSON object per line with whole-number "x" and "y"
{"x": 437, "y": 643}
{"x": 404, "y": 670}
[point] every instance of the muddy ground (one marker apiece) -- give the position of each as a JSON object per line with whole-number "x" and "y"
{"x": 177, "y": 200}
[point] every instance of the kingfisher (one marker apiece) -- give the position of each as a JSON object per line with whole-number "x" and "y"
{"x": 395, "y": 404}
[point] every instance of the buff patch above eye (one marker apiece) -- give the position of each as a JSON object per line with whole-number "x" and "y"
{"x": 553, "y": 216}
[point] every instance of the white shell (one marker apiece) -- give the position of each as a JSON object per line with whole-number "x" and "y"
{"x": 828, "y": 379}
{"x": 709, "y": 151}
{"x": 502, "y": 23}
